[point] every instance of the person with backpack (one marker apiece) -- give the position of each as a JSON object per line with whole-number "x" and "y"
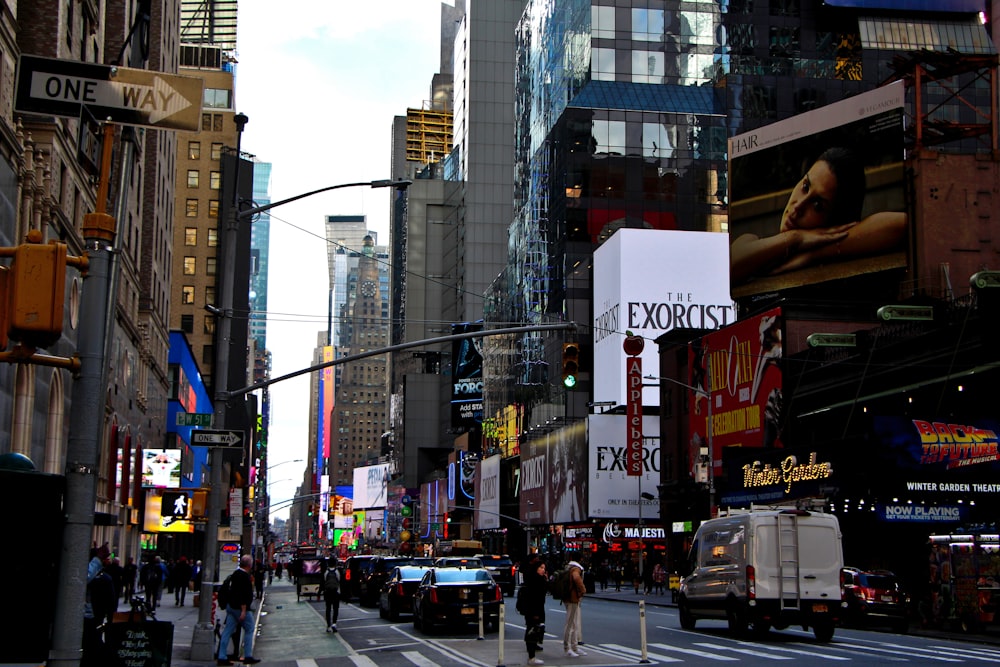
{"x": 531, "y": 605}
{"x": 151, "y": 577}
{"x": 573, "y": 592}
{"x": 239, "y": 613}
{"x": 98, "y": 610}
{"x": 331, "y": 594}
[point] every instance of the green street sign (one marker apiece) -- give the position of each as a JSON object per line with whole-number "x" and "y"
{"x": 435, "y": 526}
{"x": 194, "y": 419}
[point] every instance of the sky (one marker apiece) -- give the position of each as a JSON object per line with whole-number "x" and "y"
{"x": 321, "y": 81}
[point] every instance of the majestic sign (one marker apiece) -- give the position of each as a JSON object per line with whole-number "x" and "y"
{"x": 121, "y": 94}
{"x": 649, "y": 282}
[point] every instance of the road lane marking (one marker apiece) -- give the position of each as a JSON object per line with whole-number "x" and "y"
{"x": 418, "y": 659}
{"x": 636, "y": 653}
{"x": 695, "y": 652}
{"x": 745, "y": 651}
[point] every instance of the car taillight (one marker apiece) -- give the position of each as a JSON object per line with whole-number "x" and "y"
{"x": 347, "y": 575}
{"x": 865, "y": 593}
{"x": 399, "y": 590}
{"x": 497, "y": 594}
{"x": 434, "y": 596}
{"x": 751, "y": 583}
{"x": 513, "y": 570}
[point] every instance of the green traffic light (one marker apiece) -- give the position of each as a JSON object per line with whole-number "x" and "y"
{"x": 569, "y": 381}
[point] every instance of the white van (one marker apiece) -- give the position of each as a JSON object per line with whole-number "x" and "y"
{"x": 764, "y": 568}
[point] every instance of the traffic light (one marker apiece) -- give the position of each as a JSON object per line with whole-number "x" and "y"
{"x": 309, "y": 510}
{"x": 36, "y": 287}
{"x": 570, "y": 364}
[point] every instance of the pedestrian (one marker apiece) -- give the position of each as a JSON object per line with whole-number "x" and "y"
{"x": 239, "y": 614}
{"x": 647, "y": 579}
{"x": 331, "y": 594}
{"x": 531, "y": 605}
{"x": 572, "y": 631}
{"x": 182, "y": 579}
{"x": 129, "y": 574}
{"x": 619, "y": 575}
{"x": 164, "y": 577}
{"x": 117, "y": 572}
{"x": 151, "y": 577}
{"x": 259, "y": 575}
{"x": 603, "y": 574}
{"x": 278, "y": 569}
{"x": 659, "y": 577}
{"x": 98, "y": 609}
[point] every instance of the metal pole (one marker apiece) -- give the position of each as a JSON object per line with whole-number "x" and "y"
{"x": 85, "y": 425}
{"x": 500, "y": 635}
{"x": 642, "y": 574}
{"x": 708, "y": 430}
{"x": 203, "y": 639}
{"x": 482, "y": 620}
{"x": 642, "y": 631}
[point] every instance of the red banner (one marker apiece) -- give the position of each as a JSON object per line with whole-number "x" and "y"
{"x": 633, "y": 411}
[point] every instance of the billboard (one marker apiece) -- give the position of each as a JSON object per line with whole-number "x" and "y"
{"x": 467, "y": 377}
{"x": 612, "y": 492}
{"x": 819, "y": 196}
{"x": 371, "y": 486}
{"x": 487, "y": 513}
{"x": 938, "y": 459}
{"x": 172, "y": 517}
{"x": 738, "y": 372}
{"x": 161, "y": 467}
{"x": 553, "y": 482}
{"x": 650, "y": 281}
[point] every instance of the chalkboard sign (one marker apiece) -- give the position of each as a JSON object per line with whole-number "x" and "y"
{"x": 147, "y": 644}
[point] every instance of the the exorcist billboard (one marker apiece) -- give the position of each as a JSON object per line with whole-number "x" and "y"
{"x": 578, "y": 472}
{"x": 738, "y": 373}
{"x": 939, "y": 459}
{"x": 466, "y": 377}
{"x": 649, "y": 282}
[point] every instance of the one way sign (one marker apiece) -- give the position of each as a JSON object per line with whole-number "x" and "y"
{"x": 203, "y": 437}
{"x": 120, "y": 94}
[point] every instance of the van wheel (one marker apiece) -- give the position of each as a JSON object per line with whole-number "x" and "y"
{"x": 736, "y": 616}
{"x": 687, "y": 618}
{"x": 823, "y": 631}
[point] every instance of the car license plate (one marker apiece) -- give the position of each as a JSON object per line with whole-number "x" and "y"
{"x": 819, "y": 608}
{"x": 468, "y": 610}
{"x": 886, "y": 598}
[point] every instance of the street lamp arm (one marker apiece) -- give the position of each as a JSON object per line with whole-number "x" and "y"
{"x": 566, "y": 326}
{"x": 382, "y": 183}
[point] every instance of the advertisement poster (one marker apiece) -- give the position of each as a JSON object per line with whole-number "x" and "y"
{"x": 738, "y": 371}
{"x": 553, "y": 483}
{"x": 487, "y": 513}
{"x": 371, "y": 486}
{"x": 649, "y": 282}
{"x": 162, "y": 468}
{"x": 939, "y": 459}
{"x": 467, "y": 377}
{"x": 819, "y": 196}
{"x": 612, "y": 492}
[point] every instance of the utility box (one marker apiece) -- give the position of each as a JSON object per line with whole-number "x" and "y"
{"x": 36, "y": 293}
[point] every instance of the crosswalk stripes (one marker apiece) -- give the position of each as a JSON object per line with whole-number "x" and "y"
{"x": 745, "y": 651}
{"x": 799, "y": 651}
{"x": 362, "y": 660}
{"x": 694, "y": 652}
{"x": 305, "y": 662}
{"x": 418, "y": 659}
{"x": 978, "y": 652}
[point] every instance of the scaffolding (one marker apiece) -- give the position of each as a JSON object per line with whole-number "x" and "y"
{"x": 428, "y": 135}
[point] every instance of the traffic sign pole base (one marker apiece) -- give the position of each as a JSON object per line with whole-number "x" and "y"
{"x": 203, "y": 643}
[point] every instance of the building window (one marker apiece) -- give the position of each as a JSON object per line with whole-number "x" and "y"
{"x": 190, "y": 236}
{"x": 217, "y": 122}
{"x": 213, "y": 238}
{"x": 210, "y": 294}
{"x": 206, "y": 122}
{"x": 602, "y": 64}
{"x": 210, "y": 324}
{"x": 193, "y": 178}
{"x": 210, "y": 266}
{"x": 213, "y": 209}
{"x": 208, "y": 354}
{"x": 189, "y": 266}
{"x": 215, "y": 180}
{"x": 216, "y": 150}
{"x": 216, "y": 98}
{"x": 187, "y": 294}
{"x": 191, "y": 208}
{"x": 187, "y": 323}
{"x": 194, "y": 150}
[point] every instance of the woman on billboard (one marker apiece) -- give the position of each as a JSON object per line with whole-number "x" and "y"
{"x": 821, "y": 223}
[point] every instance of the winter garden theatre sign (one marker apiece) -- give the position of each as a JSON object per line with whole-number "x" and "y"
{"x": 789, "y": 472}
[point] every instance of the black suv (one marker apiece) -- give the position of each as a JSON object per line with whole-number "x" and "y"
{"x": 873, "y": 598}
{"x": 502, "y": 569}
{"x": 354, "y": 573}
{"x": 374, "y": 575}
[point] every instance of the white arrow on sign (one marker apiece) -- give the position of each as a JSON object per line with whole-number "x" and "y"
{"x": 159, "y": 101}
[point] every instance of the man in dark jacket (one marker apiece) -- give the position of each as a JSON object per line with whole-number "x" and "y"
{"x": 182, "y": 578}
{"x": 239, "y": 613}
{"x": 531, "y": 605}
